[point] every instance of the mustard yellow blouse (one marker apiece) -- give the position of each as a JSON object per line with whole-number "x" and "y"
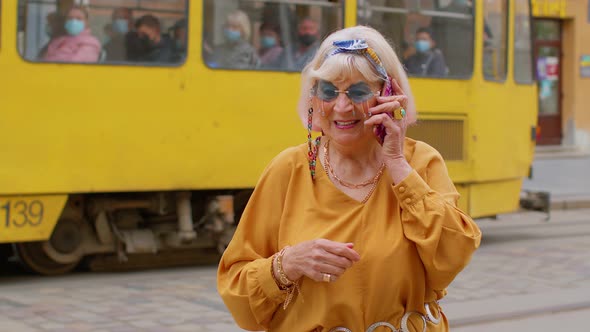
{"x": 411, "y": 238}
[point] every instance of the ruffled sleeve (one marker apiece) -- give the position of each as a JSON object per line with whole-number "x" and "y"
{"x": 444, "y": 236}
{"x": 244, "y": 278}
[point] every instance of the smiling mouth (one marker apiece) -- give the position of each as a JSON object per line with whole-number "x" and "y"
{"x": 346, "y": 123}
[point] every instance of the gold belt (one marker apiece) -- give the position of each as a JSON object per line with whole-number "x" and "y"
{"x": 429, "y": 318}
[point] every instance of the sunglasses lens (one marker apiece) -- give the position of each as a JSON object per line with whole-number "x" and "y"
{"x": 327, "y": 91}
{"x": 359, "y": 95}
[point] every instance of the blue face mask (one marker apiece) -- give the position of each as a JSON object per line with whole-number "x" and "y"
{"x": 121, "y": 26}
{"x": 422, "y": 45}
{"x": 232, "y": 35}
{"x": 268, "y": 42}
{"x": 74, "y": 27}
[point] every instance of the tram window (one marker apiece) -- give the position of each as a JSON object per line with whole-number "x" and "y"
{"x": 495, "y": 40}
{"x": 433, "y": 37}
{"x": 523, "y": 65}
{"x": 266, "y": 35}
{"x": 148, "y": 32}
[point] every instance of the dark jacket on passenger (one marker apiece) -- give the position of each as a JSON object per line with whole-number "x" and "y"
{"x": 116, "y": 48}
{"x": 431, "y": 63}
{"x": 142, "y": 50}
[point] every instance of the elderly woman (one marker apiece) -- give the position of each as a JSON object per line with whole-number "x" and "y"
{"x": 236, "y": 52}
{"x": 78, "y": 45}
{"x": 359, "y": 228}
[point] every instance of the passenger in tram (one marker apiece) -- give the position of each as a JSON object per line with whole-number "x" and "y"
{"x": 121, "y": 25}
{"x": 78, "y": 44}
{"x": 428, "y": 60}
{"x": 179, "y": 36}
{"x": 236, "y": 51}
{"x": 308, "y": 35}
{"x": 148, "y": 44}
{"x": 271, "y": 51}
{"x": 53, "y": 28}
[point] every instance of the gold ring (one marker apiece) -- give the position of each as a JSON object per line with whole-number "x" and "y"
{"x": 399, "y": 113}
{"x": 327, "y": 277}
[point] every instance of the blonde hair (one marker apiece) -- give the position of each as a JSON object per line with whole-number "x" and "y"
{"x": 240, "y": 19}
{"x": 339, "y": 66}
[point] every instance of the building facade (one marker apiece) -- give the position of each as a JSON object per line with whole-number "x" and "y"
{"x": 561, "y": 40}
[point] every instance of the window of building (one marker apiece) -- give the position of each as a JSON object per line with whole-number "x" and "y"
{"x": 267, "y": 35}
{"x": 495, "y": 40}
{"x": 150, "y": 32}
{"x": 523, "y": 54}
{"x": 434, "y": 38}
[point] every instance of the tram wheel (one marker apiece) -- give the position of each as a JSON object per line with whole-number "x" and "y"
{"x": 33, "y": 256}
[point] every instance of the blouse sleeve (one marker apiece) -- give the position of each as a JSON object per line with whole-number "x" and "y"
{"x": 444, "y": 236}
{"x": 244, "y": 278}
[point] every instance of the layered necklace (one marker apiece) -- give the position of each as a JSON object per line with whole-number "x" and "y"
{"x": 372, "y": 182}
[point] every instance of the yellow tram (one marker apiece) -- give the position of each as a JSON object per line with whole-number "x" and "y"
{"x": 129, "y": 156}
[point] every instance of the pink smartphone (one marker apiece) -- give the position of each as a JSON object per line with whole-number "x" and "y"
{"x": 380, "y": 130}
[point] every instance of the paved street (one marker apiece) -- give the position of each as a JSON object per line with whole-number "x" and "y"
{"x": 526, "y": 270}
{"x": 560, "y": 321}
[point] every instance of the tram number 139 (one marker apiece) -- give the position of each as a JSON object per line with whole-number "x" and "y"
{"x": 21, "y": 213}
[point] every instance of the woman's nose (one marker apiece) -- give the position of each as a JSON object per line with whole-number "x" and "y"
{"x": 343, "y": 103}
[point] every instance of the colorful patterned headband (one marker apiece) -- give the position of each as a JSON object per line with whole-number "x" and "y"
{"x": 360, "y": 46}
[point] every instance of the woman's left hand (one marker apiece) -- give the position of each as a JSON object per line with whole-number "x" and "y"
{"x": 395, "y": 130}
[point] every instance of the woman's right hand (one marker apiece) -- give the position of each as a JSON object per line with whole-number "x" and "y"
{"x": 317, "y": 257}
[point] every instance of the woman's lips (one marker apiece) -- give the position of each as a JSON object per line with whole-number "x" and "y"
{"x": 346, "y": 124}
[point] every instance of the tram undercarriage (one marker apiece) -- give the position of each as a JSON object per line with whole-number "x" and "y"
{"x": 120, "y": 227}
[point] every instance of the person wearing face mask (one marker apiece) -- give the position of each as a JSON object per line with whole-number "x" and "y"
{"x": 147, "y": 44}
{"x": 308, "y": 34}
{"x": 121, "y": 25}
{"x": 236, "y": 51}
{"x": 271, "y": 51}
{"x": 78, "y": 44}
{"x": 428, "y": 60}
{"x": 53, "y": 29}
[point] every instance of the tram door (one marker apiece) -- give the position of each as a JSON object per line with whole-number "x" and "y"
{"x": 548, "y": 60}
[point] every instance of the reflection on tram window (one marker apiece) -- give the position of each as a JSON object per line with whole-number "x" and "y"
{"x": 523, "y": 66}
{"x": 495, "y": 41}
{"x": 266, "y": 35}
{"x": 451, "y": 23}
{"x": 147, "y": 32}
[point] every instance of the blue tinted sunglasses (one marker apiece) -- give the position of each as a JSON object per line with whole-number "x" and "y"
{"x": 357, "y": 93}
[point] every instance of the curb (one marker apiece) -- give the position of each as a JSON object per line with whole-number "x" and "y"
{"x": 570, "y": 204}
{"x": 515, "y": 306}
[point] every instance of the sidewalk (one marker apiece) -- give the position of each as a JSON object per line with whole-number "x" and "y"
{"x": 565, "y": 174}
{"x": 525, "y": 267}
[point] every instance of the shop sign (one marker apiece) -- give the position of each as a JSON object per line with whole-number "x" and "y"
{"x": 585, "y": 66}
{"x": 549, "y": 8}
